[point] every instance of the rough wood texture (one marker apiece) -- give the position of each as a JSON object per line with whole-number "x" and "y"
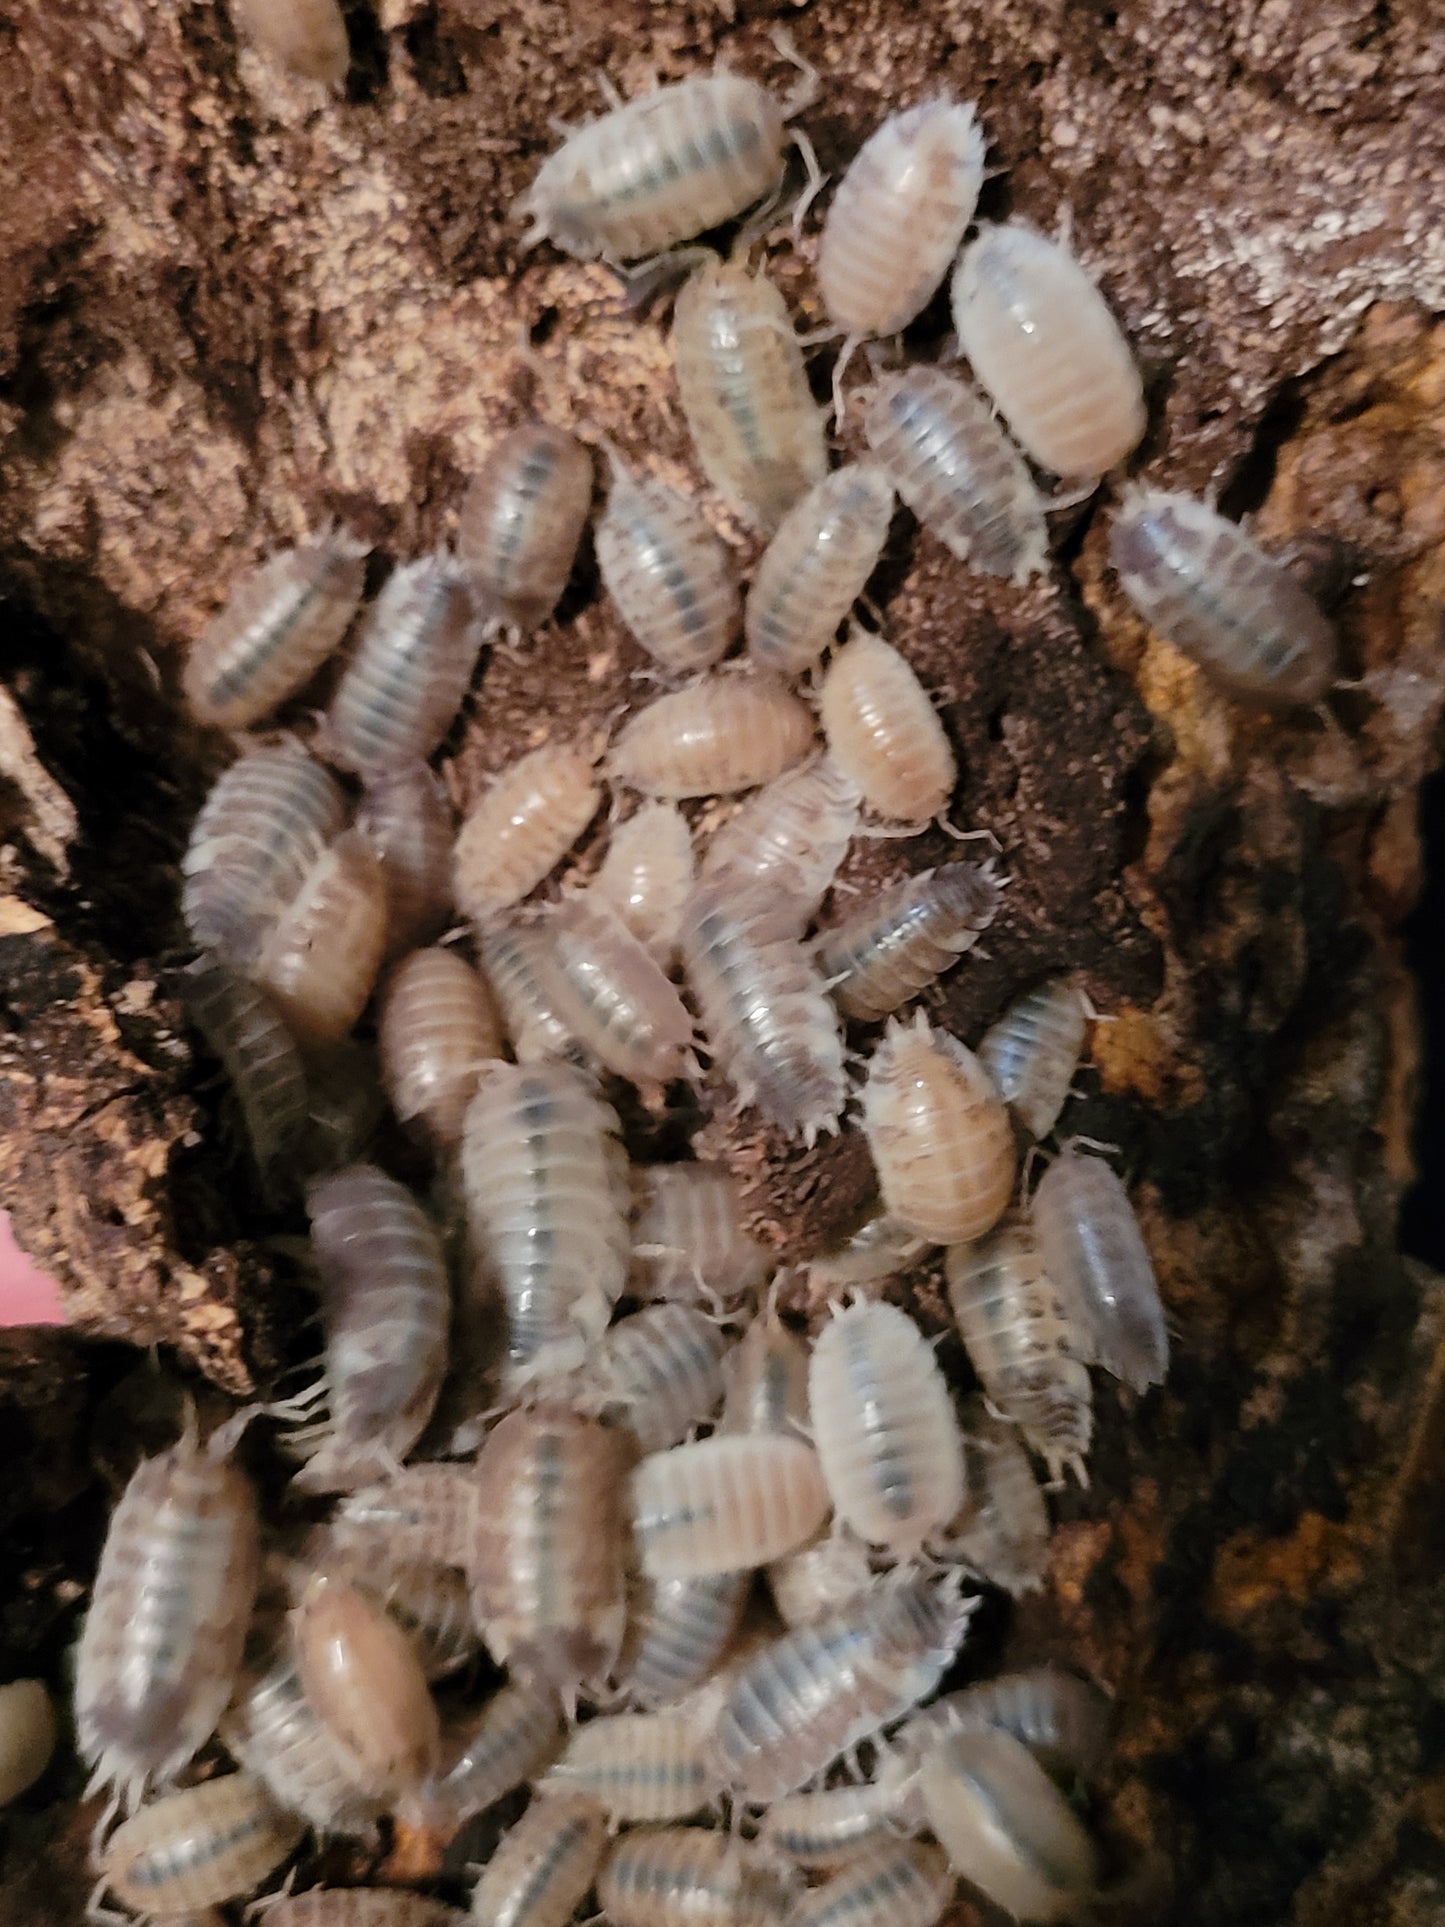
{"x": 232, "y": 307}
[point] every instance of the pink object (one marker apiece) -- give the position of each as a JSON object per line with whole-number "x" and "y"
{"x": 27, "y": 1296}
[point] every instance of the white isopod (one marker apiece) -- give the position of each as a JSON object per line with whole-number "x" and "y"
{"x": 638, "y": 1766}
{"x": 612, "y": 995}
{"x": 1094, "y": 1252}
{"x": 677, "y": 1634}
{"x": 438, "y": 1026}
{"x": 672, "y": 578}
{"x": 897, "y": 1883}
{"x": 660, "y": 1371}
{"x": 899, "y": 942}
{"x": 815, "y": 568}
{"x": 724, "y": 1504}
{"x": 520, "y": 829}
{"x": 1003, "y": 1532}
{"x": 406, "y": 820}
{"x": 541, "y": 1867}
{"x": 723, "y": 733}
{"x": 646, "y": 875}
{"x": 522, "y": 521}
{"x": 1032, "y": 1051}
{"x": 687, "y": 1237}
{"x": 783, "y": 848}
{"x": 884, "y": 733}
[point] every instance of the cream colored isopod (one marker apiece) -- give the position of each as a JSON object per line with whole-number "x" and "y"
{"x": 521, "y": 828}
{"x": 884, "y": 732}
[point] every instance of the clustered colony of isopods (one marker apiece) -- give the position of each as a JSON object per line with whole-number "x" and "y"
{"x": 724, "y": 1568}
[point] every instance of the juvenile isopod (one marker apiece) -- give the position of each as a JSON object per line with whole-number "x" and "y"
{"x": 815, "y": 568}
{"x": 767, "y": 1016}
{"x": 406, "y": 820}
{"x": 361, "y": 1907}
{"x": 612, "y": 994}
{"x": 522, "y": 521}
{"x": 834, "y": 1825}
{"x": 958, "y": 471}
{"x": 672, "y": 578}
{"x": 637, "y": 1766}
{"x": 1204, "y": 585}
{"x": 546, "y": 1189}
{"x": 687, "y": 1236}
{"x": 437, "y": 1027}
{"x": 546, "y": 1568}
{"x": 678, "y": 1631}
{"x": 1061, "y": 1719}
{"x": 412, "y": 665}
{"x": 321, "y": 960}
{"x": 1041, "y": 340}
{"x": 365, "y": 1683}
{"x": 1094, "y": 1252}
{"x": 938, "y": 1133}
{"x": 521, "y": 828}
{"x": 744, "y": 389}
{"x": 884, "y": 1427}
{"x": 199, "y": 1847}
{"x": 897, "y": 1883}
{"x": 726, "y": 1503}
{"x": 283, "y": 620}
{"x": 902, "y": 940}
{"x": 306, "y": 36}
{"x": 544, "y": 1865}
{"x": 659, "y": 1372}
{"x": 723, "y": 733}
{"x": 1033, "y": 1050}
{"x": 1029, "y": 1360}
{"x": 512, "y": 959}
{"x": 689, "y": 1877}
{"x": 168, "y": 1615}
{"x": 27, "y": 1736}
{"x": 782, "y": 850}
{"x": 820, "y": 1578}
{"x": 262, "y": 827}
{"x": 1003, "y": 1531}
{"x": 246, "y": 1031}
{"x": 876, "y": 1248}
{"x": 514, "y": 1736}
{"x": 884, "y": 733}
{"x": 646, "y": 875}
{"x": 271, "y": 1729}
{"x": 898, "y": 216}
{"x": 767, "y": 1380}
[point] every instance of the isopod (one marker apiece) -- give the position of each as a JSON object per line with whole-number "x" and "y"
{"x": 246, "y": 1031}
{"x": 522, "y": 521}
{"x": 168, "y": 1615}
{"x": 687, "y": 1237}
{"x": 723, "y": 733}
{"x": 1043, "y": 343}
{"x": 547, "y": 1196}
{"x": 677, "y": 1633}
{"x": 437, "y": 1027}
{"x": 898, "y": 216}
{"x": 767, "y": 1016}
{"x": 364, "y": 1682}
{"x": 660, "y": 1372}
{"x": 834, "y": 1825}
{"x": 612, "y": 995}
{"x": 406, "y": 820}
{"x": 306, "y": 36}
{"x": 646, "y": 875}
{"x": 672, "y": 578}
{"x": 726, "y": 1503}
{"x": 259, "y": 832}
{"x": 1005, "y": 1826}
{"x": 412, "y": 665}
{"x": 1061, "y": 1719}
{"x": 1003, "y": 1531}
{"x": 1204, "y": 585}
{"x": 815, "y": 568}
{"x": 958, "y": 471}
{"x": 361, "y": 1907}
{"x": 820, "y": 1578}
{"x": 199, "y": 1847}
{"x": 421, "y": 1512}
{"x": 1094, "y": 1252}
{"x": 27, "y": 1736}
{"x": 884, "y": 733}
{"x": 876, "y": 1248}
{"x": 1029, "y": 1360}
{"x": 782, "y": 850}
{"x": 884, "y": 1427}
{"x": 542, "y": 1866}
{"x": 513, "y": 1737}
{"x": 321, "y": 960}
{"x": 767, "y": 1380}
{"x": 1032, "y": 1051}
{"x": 897, "y": 1883}
{"x": 521, "y": 828}
{"x": 546, "y": 1568}
{"x": 512, "y": 956}
{"x": 272, "y": 1730}
{"x": 637, "y": 1766}
{"x": 688, "y": 1877}
{"x": 283, "y": 620}
{"x": 901, "y": 941}
{"x": 744, "y": 390}
{"x": 938, "y": 1133}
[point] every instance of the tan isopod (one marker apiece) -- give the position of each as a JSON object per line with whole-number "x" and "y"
{"x": 723, "y": 733}
{"x": 547, "y": 1195}
{"x": 1003, "y": 1531}
{"x": 902, "y": 940}
{"x": 1005, "y": 1826}
{"x": 815, "y": 568}
{"x": 835, "y": 1825}
{"x": 898, "y": 216}
{"x": 767, "y": 1379}
{"x": 512, "y": 956}
{"x": 361, "y": 1907}
{"x": 271, "y": 1729}
{"x": 612, "y": 994}
{"x": 521, "y": 828}
{"x": 1061, "y": 1719}
{"x": 783, "y": 848}
{"x": 320, "y": 962}
{"x": 646, "y": 875}
{"x": 246, "y": 1031}
{"x": 1096, "y": 1257}
{"x": 726, "y": 1503}
{"x": 958, "y": 471}
{"x": 744, "y": 390}
{"x": 199, "y": 1847}
{"x": 27, "y": 1736}
{"x": 687, "y": 1236}
{"x": 1032, "y": 1051}
{"x": 678, "y": 1631}
{"x": 514, "y": 1736}
{"x": 769, "y": 1022}
{"x": 546, "y": 1568}
{"x": 1204, "y": 585}
{"x": 1029, "y": 1360}
{"x": 261, "y": 829}
{"x": 413, "y": 663}
{"x": 897, "y": 1883}
{"x": 306, "y": 36}
{"x": 406, "y": 819}
{"x": 162, "y": 1642}
{"x": 672, "y": 578}
{"x": 691, "y": 1877}
{"x": 1043, "y": 343}
{"x": 281, "y": 623}
{"x": 884, "y": 1427}
{"x": 522, "y": 521}
{"x": 363, "y": 1680}
{"x": 437, "y": 1027}
{"x": 884, "y": 732}
{"x": 659, "y": 1373}
{"x": 876, "y": 1248}
{"x": 543, "y": 1866}
{"x": 819, "y": 1579}
{"x": 637, "y": 1766}
{"x": 938, "y": 1133}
